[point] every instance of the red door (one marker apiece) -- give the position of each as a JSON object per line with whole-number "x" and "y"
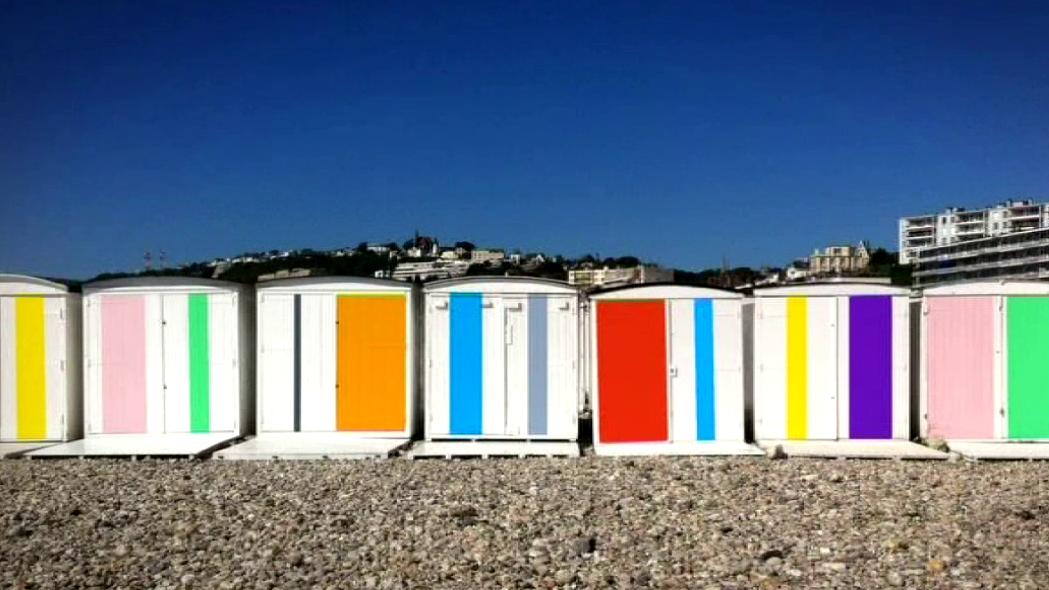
{"x": 632, "y": 371}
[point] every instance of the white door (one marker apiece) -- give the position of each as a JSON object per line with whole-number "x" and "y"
{"x": 318, "y": 327}
{"x": 175, "y": 350}
{"x": 822, "y": 368}
{"x": 437, "y": 385}
{"x": 518, "y": 385}
{"x": 493, "y": 343}
{"x": 770, "y": 369}
{"x": 563, "y": 367}
{"x": 276, "y": 362}
{"x": 682, "y": 370}
{"x": 728, "y": 363}
{"x": 224, "y": 386}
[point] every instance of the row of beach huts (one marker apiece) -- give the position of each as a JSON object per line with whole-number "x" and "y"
{"x": 506, "y": 366}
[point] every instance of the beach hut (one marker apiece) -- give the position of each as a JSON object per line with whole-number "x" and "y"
{"x": 985, "y": 365}
{"x": 831, "y": 363}
{"x": 336, "y": 368}
{"x": 168, "y": 367}
{"x": 667, "y": 371}
{"x": 502, "y": 367}
{"x": 40, "y": 394}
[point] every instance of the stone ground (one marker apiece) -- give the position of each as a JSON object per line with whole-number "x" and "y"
{"x": 622, "y": 523}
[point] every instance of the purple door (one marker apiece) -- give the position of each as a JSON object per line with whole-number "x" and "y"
{"x": 870, "y": 366}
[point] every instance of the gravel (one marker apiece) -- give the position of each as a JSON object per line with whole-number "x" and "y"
{"x": 540, "y": 523}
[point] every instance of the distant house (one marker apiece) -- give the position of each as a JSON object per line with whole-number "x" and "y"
{"x": 430, "y": 270}
{"x": 487, "y": 256}
{"x": 594, "y": 278}
{"x": 839, "y": 260}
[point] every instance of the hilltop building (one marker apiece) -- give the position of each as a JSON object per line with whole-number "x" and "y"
{"x": 839, "y": 260}
{"x": 595, "y": 278}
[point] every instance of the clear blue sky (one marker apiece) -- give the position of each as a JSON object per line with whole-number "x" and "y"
{"x": 678, "y": 132}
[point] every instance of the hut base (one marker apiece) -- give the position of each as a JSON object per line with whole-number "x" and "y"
{"x": 1003, "y": 450}
{"x": 854, "y": 449}
{"x": 708, "y": 448}
{"x": 311, "y": 445}
{"x": 10, "y": 450}
{"x": 494, "y": 448}
{"x": 137, "y": 445}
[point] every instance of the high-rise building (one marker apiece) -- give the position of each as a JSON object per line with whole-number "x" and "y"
{"x": 955, "y": 225}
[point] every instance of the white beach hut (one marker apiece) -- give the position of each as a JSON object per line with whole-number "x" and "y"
{"x": 40, "y": 384}
{"x": 336, "y": 368}
{"x": 168, "y": 367}
{"x": 502, "y": 367}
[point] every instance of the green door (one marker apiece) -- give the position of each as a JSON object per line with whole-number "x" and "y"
{"x": 1028, "y": 325}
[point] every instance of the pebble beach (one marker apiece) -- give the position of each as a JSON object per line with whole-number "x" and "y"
{"x": 524, "y": 523}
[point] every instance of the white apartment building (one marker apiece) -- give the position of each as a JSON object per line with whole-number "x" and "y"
{"x": 955, "y": 225}
{"x": 486, "y": 256}
{"x": 430, "y": 270}
{"x": 594, "y": 278}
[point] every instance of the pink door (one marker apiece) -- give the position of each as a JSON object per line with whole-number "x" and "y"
{"x": 123, "y": 364}
{"x": 960, "y": 353}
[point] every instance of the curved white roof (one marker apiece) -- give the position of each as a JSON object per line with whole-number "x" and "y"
{"x": 665, "y": 292}
{"x": 990, "y": 287}
{"x": 333, "y": 283}
{"x": 509, "y": 285}
{"x": 12, "y": 284}
{"x": 832, "y": 289}
{"x": 165, "y": 283}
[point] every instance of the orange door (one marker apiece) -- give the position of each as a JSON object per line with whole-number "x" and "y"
{"x": 371, "y": 377}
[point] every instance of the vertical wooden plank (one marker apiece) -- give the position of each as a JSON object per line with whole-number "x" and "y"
{"x": 901, "y": 368}
{"x": 682, "y": 352}
{"x": 223, "y": 406}
{"x": 770, "y": 366}
{"x": 199, "y": 364}
{"x": 493, "y": 363}
{"x": 705, "y": 362}
{"x": 563, "y": 377}
{"x": 960, "y": 351}
{"x": 319, "y": 353}
{"x": 538, "y": 364}
{"x": 31, "y": 352}
{"x": 8, "y": 375}
{"x": 372, "y": 349}
{"x": 510, "y": 330}
{"x": 123, "y": 364}
{"x": 156, "y": 389}
{"x": 797, "y": 368}
{"x": 467, "y": 356}
{"x": 275, "y": 362}
{"x": 728, "y": 364}
{"x": 632, "y": 371}
{"x": 1028, "y": 367}
{"x": 870, "y": 367}
{"x": 437, "y": 386}
{"x": 822, "y": 368}
{"x": 176, "y": 365}
{"x": 55, "y": 353}
{"x": 296, "y": 367}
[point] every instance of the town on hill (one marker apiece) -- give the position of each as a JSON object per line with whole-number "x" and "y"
{"x": 424, "y": 258}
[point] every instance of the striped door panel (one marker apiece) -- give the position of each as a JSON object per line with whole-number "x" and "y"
{"x": 32, "y": 368}
{"x": 166, "y": 363}
{"x": 333, "y": 362}
{"x": 508, "y": 368}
